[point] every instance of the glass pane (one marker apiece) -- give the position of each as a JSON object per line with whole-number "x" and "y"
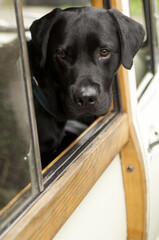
{"x": 137, "y": 12}
{"x": 57, "y": 3}
{"x": 155, "y": 7}
{"x": 142, "y": 60}
{"x": 35, "y": 9}
{"x": 15, "y": 132}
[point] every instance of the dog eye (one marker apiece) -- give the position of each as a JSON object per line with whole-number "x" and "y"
{"x": 62, "y": 54}
{"x": 104, "y": 52}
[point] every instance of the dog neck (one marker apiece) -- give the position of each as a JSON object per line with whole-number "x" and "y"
{"x": 41, "y": 90}
{"x": 41, "y": 98}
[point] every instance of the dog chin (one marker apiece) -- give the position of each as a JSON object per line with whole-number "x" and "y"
{"x": 76, "y": 115}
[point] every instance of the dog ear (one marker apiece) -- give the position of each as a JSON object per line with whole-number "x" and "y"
{"x": 40, "y": 32}
{"x": 131, "y": 35}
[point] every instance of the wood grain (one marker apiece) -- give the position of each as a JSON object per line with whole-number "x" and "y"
{"x": 116, "y": 4}
{"x": 97, "y": 3}
{"x": 55, "y": 206}
{"x": 75, "y": 141}
{"x": 135, "y": 181}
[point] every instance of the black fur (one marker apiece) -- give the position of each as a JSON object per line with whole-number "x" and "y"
{"x": 65, "y": 58}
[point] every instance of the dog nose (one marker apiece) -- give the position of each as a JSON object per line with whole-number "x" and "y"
{"x": 85, "y": 96}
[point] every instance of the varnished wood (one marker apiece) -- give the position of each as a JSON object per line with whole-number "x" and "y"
{"x": 116, "y": 4}
{"x": 97, "y": 3}
{"x": 134, "y": 182}
{"x": 97, "y": 121}
{"x": 55, "y": 206}
{"x": 135, "y": 191}
{"x": 73, "y": 143}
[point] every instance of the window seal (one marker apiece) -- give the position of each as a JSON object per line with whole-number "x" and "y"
{"x": 150, "y": 36}
{"x": 69, "y": 156}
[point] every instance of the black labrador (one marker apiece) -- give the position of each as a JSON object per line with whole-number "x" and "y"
{"x": 74, "y": 55}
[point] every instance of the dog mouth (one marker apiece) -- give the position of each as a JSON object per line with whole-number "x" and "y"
{"x": 87, "y": 106}
{"x": 74, "y": 112}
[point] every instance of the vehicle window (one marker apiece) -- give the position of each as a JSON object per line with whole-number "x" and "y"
{"x": 20, "y": 178}
{"x": 143, "y": 59}
{"x": 19, "y": 183}
{"x": 32, "y": 11}
{"x": 16, "y": 146}
{"x": 155, "y": 7}
{"x": 137, "y": 12}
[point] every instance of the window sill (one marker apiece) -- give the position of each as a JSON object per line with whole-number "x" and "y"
{"x": 58, "y": 202}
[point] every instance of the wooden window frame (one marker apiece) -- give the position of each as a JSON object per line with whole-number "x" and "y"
{"x": 54, "y": 206}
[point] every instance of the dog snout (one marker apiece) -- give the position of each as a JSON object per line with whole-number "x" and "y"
{"x": 85, "y": 96}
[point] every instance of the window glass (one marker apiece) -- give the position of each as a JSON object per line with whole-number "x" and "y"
{"x": 142, "y": 60}
{"x": 34, "y": 9}
{"x": 15, "y": 133}
{"x": 137, "y": 12}
{"x": 155, "y": 7}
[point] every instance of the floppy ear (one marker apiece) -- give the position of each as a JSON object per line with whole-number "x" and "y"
{"x": 40, "y": 32}
{"x": 131, "y": 36}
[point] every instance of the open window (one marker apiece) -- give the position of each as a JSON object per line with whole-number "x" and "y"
{"x": 20, "y": 157}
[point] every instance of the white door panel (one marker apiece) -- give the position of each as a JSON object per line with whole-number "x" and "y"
{"x": 102, "y": 213}
{"x": 149, "y": 125}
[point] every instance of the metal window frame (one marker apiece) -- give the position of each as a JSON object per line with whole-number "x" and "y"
{"x": 35, "y": 166}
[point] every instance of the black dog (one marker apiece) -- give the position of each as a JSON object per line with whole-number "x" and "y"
{"x": 74, "y": 55}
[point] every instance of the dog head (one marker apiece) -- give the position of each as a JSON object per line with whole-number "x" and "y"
{"x": 82, "y": 48}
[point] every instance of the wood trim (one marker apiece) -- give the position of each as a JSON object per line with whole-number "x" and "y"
{"x": 116, "y": 4}
{"x": 131, "y": 155}
{"x": 135, "y": 181}
{"x": 97, "y": 3}
{"x": 135, "y": 191}
{"x": 75, "y": 141}
{"x": 55, "y": 206}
